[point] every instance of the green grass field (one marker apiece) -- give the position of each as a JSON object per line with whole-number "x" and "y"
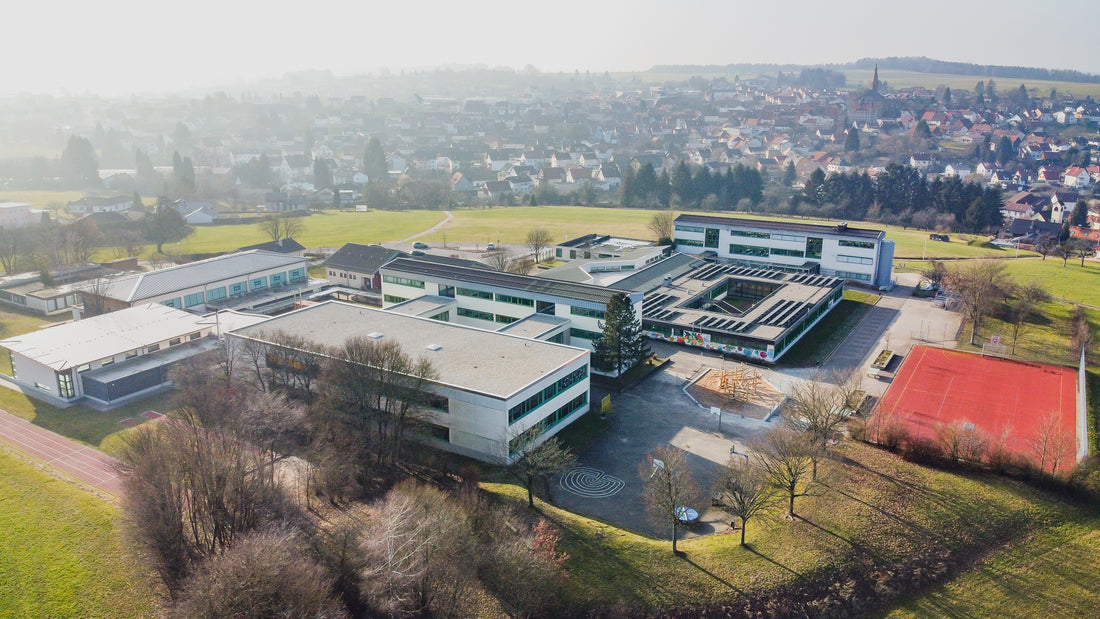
{"x": 61, "y": 555}
{"x": 1052, "y": 574}
{"x": 901, "y": 79}
{"x": 876, "y": 510}
{"x": 41, "y": 198}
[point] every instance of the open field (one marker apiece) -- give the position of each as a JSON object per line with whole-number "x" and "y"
{"x": 1073, "y": 282}
{"x": 901, "y": 79}
{"x": 62, "y": 556}
{"x": 875, "y": 511}
{"x": 42, "y": 198}
{"x": 1052, "y": 574}
{"x": 511, "y": 225}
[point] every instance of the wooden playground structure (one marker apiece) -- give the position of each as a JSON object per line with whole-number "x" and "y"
{"x": 741, "y": 383}
{"x": 740, "y": 390}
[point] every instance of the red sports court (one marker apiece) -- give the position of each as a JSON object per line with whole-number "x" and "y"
{"x": 936, "y": 387}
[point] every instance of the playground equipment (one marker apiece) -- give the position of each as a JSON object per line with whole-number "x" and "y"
{"x": 740, "y": 383}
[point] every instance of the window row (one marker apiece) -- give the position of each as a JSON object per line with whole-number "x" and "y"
{"x": 520, "y": 410}
{"x": 403, "y": 281}
{"x": 859, "y": 244}
{"x": 550, "y": 421}
{"x": 584, "y": 311}
{"x": 854, "y": 259}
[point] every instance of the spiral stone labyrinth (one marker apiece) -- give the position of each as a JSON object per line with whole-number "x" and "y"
{"x": 591, "y": 483}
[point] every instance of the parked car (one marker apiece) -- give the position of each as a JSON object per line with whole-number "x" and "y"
{"x": 419, "y": 245}
{"x": 418, "y": 253}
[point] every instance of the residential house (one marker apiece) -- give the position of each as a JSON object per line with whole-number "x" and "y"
{"x": 1076, "y": 176}
{"x": 94, "y": 204}
{"x": 17, "y": 215}
{"x": 356, "y": 266}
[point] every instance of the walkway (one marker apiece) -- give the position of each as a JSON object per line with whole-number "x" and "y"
{"x": 73, "y": 459}
{"x": 439, "y": 225}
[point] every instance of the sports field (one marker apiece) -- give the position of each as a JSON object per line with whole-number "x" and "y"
{"x": 936, "y": 387}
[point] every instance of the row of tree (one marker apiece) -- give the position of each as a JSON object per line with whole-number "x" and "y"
{"x": 903, "y": 195}
{"x": 688, "y": 188}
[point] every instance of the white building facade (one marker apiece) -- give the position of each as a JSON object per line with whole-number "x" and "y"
{"x": 858, "y": 255}
{"x": 490, "y": 387}
{"x": 493, "y": 300}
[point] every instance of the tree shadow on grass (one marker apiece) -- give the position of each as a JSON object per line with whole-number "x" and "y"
{"x": 716, "y": 577}
{"x": 770, "y": 560}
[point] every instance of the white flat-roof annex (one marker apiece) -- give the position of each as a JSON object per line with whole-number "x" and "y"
{"x": 468, "y": 358}
{"x": 76, "y": 343}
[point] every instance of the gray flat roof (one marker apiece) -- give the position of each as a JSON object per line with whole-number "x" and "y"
{"x": 420, "y": 306}
{"x": 76, "y": 343}
{"x": 534, "y": 326}
{"x": 767, "y": 224}
{"x": 794, "y": 296}
{"x": 153, "y": 283}
{"x": 536, "y": 285}
{"x": 494, "y": 364}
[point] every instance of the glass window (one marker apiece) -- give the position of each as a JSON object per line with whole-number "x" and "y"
{"x": 710, "y": 239}
{"x": 477, "y": 294}
{"x": 504, "y": 298}
{"x": 813, "y": 247}
{"x": 469, "y": 313}
{"x": 192, "y": 300}
{"x": 65, "y": 384}
{"x": 215, "y": 293}
{"x": 584, "y": 311}
{"x": 402, "y": 281}
{"x": 258, "y": 283}
{"x": 859, "y": 244}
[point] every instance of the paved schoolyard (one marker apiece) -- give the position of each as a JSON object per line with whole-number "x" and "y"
{"x": 73, "y": 459}
{"x": 607, "y": 483}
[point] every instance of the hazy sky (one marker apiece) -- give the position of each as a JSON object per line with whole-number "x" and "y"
{"x": 117, "y": 47}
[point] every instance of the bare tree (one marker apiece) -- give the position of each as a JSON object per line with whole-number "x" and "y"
{"x": 265, "y": 574}
{"x": 418, "y": 552}
{"x": 281, "y": 226}
{"x": 93, "y": 295}
{"x": 1081, "y": 338}
{"x": 819, "y": 409}
{"x": 668, "y": 487}
{"x": 538, "y": 239}
{"x": 1050, "y": 441}
{"x": 536, "y": 463}
{"x": 661, "y": 224}
{"x": 191, "y": 492}
{"x": 11, "y": 247}
{"x": 1028, "y": 297}
{"x": 979, "y": 284}
{"x": 744, "y": 490}
{"x": 373, "y": 393}
{"x": 785, "y": 457}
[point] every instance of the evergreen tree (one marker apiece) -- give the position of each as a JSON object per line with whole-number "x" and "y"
{"x": 851, "y": 143}
{"x": 322, "y": 175}
{"x": 165, "y": 226}
{"x": 374, "y": 162}
{"x": 646, "y": 185}
{"x": 1080, "y": 216}
{"x": 622, "y": 345}
{"x": 628, "y": 191}
{"x": 923, "y": 130}
{"x": 664, "y": 189}
{"x": 1005, "y": 151}
{"x": 947, "y": 96}
{"x": 79, "y": 166}
{"x": 682, "y": 186}
{"x": 790, "y": 175}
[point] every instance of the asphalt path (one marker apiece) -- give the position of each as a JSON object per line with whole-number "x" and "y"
{"x": 72, "y": 459}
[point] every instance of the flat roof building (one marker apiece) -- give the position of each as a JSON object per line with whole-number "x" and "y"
{"x": 858, "y": 255}
{"x": 491, "y": 386}
{"x": 255, "y": 281}
{"x": 736, "y": 310}
{"x": 114, "y": 356}
{"x": 493, "y": 300}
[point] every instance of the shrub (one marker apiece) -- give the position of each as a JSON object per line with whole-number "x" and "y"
{"x": 923, "y": 451}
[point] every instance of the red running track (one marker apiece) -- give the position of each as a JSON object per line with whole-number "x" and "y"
{"x": 71, "y": 458}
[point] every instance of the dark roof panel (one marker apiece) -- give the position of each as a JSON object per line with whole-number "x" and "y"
{"x": 780, "y": 225}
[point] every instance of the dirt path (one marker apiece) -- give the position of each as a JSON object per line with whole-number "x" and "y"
{"x": 439, "y": 225}
{"x": 70, "y": 458}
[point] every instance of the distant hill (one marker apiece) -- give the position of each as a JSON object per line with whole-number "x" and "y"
{"x": 918, "y": 64}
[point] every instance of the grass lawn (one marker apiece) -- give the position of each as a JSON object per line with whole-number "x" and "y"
{"x": 1073, "y": 282}
{"x": 43, "y": 199}
{"x": 511, "y": 224}
{"x": 901, "y": 79}
{"x": 321, "y": 229}
{"x": 874, "y": 512}
{"x": 1052, "y": 574}
{"x": 816, "y": 345}
{"x": 61, "y": 555}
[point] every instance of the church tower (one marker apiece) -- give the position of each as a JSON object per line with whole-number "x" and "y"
{"x": 874, "y": 80}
